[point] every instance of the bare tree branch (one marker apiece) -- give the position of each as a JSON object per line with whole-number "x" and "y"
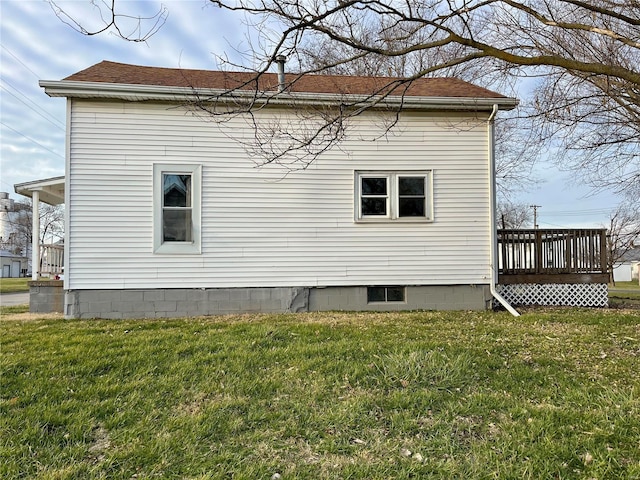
{"x": 139, "y": 29}
{"x": 584, "y": 57}
{"x": 623, "y": 232}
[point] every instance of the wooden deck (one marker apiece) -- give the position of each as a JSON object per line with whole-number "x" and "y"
{"x": 552, "y": 256}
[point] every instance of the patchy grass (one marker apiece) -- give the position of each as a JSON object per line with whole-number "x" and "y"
{"x": 13, "y": 309}
{"x": 551, "y": 394}
{"x": 625, "y": 286}
{"x": 12, "y": 285}
{"x": 625, "y": 295}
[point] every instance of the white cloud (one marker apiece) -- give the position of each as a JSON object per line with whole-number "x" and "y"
{"x": 37, "y": 45}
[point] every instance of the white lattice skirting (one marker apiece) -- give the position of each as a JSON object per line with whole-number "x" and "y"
{"x": 562, "y": 294}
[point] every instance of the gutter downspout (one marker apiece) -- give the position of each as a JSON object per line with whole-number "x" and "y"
{"x": 494, "y": 231}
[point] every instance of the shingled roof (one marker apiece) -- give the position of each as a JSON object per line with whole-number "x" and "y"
{"x": 124, "y": 74}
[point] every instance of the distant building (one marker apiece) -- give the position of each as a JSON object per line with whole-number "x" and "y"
{"x": 12, "y": 265}
{"x": 628, "y": 266}
{"x": 6, "y": 208}
{"x": 15, "y": 228}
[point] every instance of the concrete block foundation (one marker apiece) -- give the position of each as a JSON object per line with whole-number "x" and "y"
{"x": 46, "y": 296}
{"x": 179, "y": 302}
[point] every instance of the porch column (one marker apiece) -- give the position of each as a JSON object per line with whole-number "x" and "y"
{"x": 35, "y": 236}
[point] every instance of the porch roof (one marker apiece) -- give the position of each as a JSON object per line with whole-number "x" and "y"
{"x": 51, "y": 189}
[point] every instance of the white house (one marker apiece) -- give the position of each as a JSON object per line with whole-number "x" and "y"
{"x": 12, "y": 265}
{"x": 168, "y": 214}
{"x": 14, "y": 237}
{"x": 628, "y": 267}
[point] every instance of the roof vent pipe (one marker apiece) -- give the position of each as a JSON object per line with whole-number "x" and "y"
{"x": 280, "y": 60}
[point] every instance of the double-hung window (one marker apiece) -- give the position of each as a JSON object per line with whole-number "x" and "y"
{"x": 394, "y": 196}
{"x": 177, "y": 190}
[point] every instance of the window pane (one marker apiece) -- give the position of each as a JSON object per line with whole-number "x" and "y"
{"x": 411, "y": 186}
{"x": 395, "y": 294}
{"x": 374, "y": 206}
{"x": 177, "y": 190}
{"x": 374, "y": 186}
{"x": 411, "y": 207}
{"x": 176, "y": 225}
{"x": 375, "y": 294}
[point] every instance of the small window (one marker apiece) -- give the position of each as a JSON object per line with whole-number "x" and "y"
{"x": 177, "y": 208}
{"x": 412, "y": 197}
{"x": 395, "y": 196}
{"x": 385, "y": 294}
{"x": 375, "y": 196}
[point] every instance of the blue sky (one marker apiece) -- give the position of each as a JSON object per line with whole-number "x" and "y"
{"x": 36, "y": 45}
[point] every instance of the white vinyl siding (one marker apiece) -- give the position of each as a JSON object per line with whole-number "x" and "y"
{"x": 266, "y": 226}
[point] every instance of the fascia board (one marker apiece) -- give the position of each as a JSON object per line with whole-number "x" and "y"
{"x": 75, "y": 89}
{"x": 51, "y": 189}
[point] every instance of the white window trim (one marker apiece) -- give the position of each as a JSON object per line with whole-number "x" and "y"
{"x": 393, "y": 196}
{"x": 178, "y": 248}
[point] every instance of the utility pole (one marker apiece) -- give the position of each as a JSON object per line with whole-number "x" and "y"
{"x": 535, "y": 215}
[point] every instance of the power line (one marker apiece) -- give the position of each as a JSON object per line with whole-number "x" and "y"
{"x": 18, "y": 90}
{"x": 578, "y": 210}
{"x": 563, "y": 226}
{"x": 553, "y": 224}
{"x": 5, "y": 183}
{"x": 20, "y": 61}
{"x": 577, "y": 213}
{"x": 598, "y": 213}
{"x": 57, "y": 125}
{"x": 26, "y": 97}
{"x": 31, "y": 140}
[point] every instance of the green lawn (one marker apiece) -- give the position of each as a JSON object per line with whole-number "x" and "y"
{"x": 626, "y": 286}
{"x": 13, "y": 309}
{"x": 621, "y": 297}
{"x": 552, "y": 394}
{"x": 10, "y": 285}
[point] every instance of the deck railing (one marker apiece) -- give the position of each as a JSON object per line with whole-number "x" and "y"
{"x": 51, "y": 260}
{"x": 552, "y": 256}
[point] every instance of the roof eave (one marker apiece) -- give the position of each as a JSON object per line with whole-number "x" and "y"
{"x": 51, "y": 190}
{"x": 132, "y": 92}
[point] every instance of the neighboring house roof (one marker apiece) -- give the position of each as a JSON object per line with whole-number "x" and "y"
{"x": 137, "y": 82}
{"x": 8, "y": 254}
{"x": 632, "y": 255}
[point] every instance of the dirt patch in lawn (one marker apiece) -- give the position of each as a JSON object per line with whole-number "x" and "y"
{"x": 26, "y": 316}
